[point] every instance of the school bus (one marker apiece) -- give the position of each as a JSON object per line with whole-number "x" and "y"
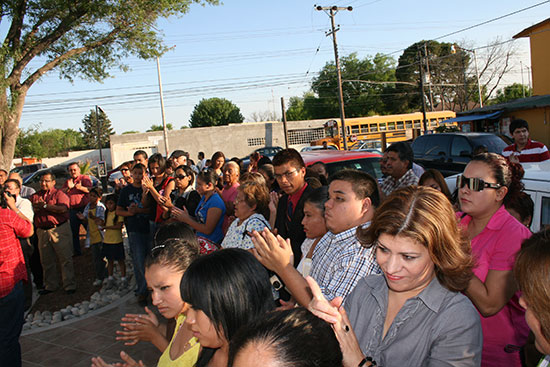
{"x": 395, "y": 127}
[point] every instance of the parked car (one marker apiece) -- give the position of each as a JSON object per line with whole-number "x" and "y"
{"x": 337, "y": 160}
{"x": 61, "y": 175}
{"x": 373, "y": 146}
{"x": 317, "y": 147}
{"x": 27, "y": 169}
{"x": 537, "y": 185}
{"x": 268, "y": 151}
{"x": 449, "y": 153}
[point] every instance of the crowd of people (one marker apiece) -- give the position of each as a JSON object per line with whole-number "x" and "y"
{"x": 279, "y": 264}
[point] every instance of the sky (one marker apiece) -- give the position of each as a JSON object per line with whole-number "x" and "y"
{"x": 255, "y": 52}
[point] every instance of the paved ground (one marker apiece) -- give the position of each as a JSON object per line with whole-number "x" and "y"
{"x": 74, "y": 344}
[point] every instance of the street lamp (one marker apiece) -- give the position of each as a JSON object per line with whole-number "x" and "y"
{"x": 453, "y": 51}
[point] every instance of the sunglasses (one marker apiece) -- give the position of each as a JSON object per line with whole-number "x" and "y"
{"x": 180, "y": 177}
{"x": 475, "y": 184}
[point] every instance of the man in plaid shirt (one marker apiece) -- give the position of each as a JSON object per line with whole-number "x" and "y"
{"x": 399, "y": 162}
{"x": 339, "y": 260}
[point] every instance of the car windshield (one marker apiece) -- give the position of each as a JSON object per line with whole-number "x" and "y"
{"x": 493, "y": 143}
{"x": 369, "y": 165}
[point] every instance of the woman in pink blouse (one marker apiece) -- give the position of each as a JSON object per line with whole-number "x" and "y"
{"x": 487, "y": 183}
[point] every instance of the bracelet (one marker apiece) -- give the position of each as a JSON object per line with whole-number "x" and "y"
{"x": 365, "y": 360}
{"x": 362, "y": 363}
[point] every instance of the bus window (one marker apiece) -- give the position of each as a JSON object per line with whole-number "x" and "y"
{"x": 408, "y": 124}
{"x": 373, "y": 128}
{"x": 400, "y": 125}
{"x": 364, "y": 128}
{"x": 417, "y": 124}
{"x": 382, "y": 126}
{"x": 433, "y": 122}
{"x": 391, "y": 125}
{"x": 355, "y": 129}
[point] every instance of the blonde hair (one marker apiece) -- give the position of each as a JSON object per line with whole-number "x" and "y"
{"x": 426, "y": 216}
{"x": 256, "y": 194}
{"x": 532, "y": 271}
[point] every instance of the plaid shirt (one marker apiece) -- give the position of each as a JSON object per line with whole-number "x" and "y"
{"x": 339, "y": 261}
{"x": 12, "y": 262}
{"x": 390, "y": 184}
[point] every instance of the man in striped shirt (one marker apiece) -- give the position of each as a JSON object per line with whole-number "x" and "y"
{"x": 524, "y": 150}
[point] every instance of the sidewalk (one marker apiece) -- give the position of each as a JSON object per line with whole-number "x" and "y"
{"x": 74, "y": 343}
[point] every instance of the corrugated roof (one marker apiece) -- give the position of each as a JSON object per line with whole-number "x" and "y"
{"x": 516, "y": 104}
{"x": 527, "y": 31}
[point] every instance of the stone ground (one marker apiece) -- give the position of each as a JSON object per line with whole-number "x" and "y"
{"x": 75, "y": 342}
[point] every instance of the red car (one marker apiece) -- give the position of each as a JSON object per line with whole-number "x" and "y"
{"x": 336, "y": 160}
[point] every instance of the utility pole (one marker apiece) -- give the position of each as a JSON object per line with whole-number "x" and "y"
{"x": 429, "y": 76}
{"x": 285, "y": 127}
{"x": 421, "y": 86}
{"x": 162, "y": 110}
{"x": 332, "y": 10}
{"x": 97, "y": 109}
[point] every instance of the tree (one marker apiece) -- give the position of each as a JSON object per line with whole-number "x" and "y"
{"x": 91, "y": 129}
{"x": 154, "y": 127}
{"x": 32, "y": 142}
{"x": 296, "y": 110}
{"x": 511, "y": 92}
{"x": 263, "y": 116}
{"x": 363, "y": 82}
{"x": 130, "y": 132}
{"x": 215, "y": 112}
{"x": 78, "y": 38}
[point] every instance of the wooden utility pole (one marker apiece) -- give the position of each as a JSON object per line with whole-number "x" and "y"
{"x": 421, "y": 86}
{"x": 284, "y": 121}
{"x": 332, "y": 10}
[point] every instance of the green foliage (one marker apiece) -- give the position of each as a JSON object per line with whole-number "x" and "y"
{"x": 362, "y": 86}
{"x": 131, "y": 132}
{"x": 296, "y": 110}
{"x": 84, "y": 39}
{"x": 215, "y": 112}
{"x": 32, "y": 142}
{"x": 511, "y": 92}
{"x": 91, "y": 129}
{"x": 169, "y": 126}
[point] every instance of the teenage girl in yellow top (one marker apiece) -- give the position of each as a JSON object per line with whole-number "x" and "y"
{"x": 164, "y": 268}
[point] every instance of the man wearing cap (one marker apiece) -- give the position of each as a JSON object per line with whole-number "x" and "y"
{"x": 524, "y": 150}
{"x": 76, "y": 188}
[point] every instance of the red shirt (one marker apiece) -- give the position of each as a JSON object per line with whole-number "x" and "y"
{"x": 12, "y": 262}
{"x": 294, "y": 198}
{"x": 533, "y": 152}
{"x": 77, "y": 198}
{"x": 44, "y": 218}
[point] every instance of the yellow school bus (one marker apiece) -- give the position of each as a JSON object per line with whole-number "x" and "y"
{"x": 395, "y": 127}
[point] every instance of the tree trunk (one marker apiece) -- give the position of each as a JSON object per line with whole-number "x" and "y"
{"x": 10, "y": 115}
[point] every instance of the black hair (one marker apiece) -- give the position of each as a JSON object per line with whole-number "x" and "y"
{"x": 517, "y": 124}
{"x": 318, "y": 197}
{"x": 289, "y": 156}
{"x": 139, "y": 166}
{"x": 188, "y": 172}
{"x": 523, "y": 205}
{"x": 3, "y": 202}
{"x": 231, "y": 288}
{"x": 208, "y": 177}
{"x": 158, "y": 159}
{"x": 72, "y": 164}
{"x": 263, "y": 160}
{"x": 114, "y": 198}
{"x": 295, "y": 337}
{"x": 16, "y": 182}
{"x": 506, "y": 173}
{"x": 98, "y": 191}
{"x": 140, "y": 152}
{"x": 201, "y": 154}
{"x": 175, "y": 244}
{"x": 362, "y": 184}
{"x": 178, "y": 153}
{"x": 48, "y": 173}
{"x": 217, "y": 155}
{"x": 403, "y": 150}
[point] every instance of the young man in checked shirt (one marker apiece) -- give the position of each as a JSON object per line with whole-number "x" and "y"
{"x": 339, "y": 260}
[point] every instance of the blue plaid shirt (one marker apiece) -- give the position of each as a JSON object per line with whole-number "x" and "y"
{"x": 339, "y": 261}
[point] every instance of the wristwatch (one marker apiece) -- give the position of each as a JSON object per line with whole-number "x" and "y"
{"x": 45, "y": 205}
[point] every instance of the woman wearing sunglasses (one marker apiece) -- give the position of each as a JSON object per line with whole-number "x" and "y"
{"x": 484, "y": 188}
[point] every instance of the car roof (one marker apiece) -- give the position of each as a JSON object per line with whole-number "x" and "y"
{"x": 537, "y": 171}
{"x": 472, "y": 134}
{"x": 328, "y": 156}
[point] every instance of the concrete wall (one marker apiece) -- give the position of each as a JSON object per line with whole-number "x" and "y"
{"x": 235, "y": 140}
{"x": 80, "y": 156}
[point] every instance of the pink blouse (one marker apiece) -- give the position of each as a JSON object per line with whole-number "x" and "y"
{"x": 495, "y": 248}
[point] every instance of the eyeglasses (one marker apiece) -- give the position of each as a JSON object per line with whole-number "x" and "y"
{"x": 180, "y": 177}
{"x": 475, "y": 184}
{"x": 288, "y": 175}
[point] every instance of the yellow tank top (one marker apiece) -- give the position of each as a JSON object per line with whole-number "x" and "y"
{"x": 187, "y": 359}
{"x": 112, "y": 236}
{"x": 93, "y": 229}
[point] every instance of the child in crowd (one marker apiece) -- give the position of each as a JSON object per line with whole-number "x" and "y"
{"x": 164, "y": 268}
{"x": 113, "y": 249}
{"x": 94, "y": 216}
